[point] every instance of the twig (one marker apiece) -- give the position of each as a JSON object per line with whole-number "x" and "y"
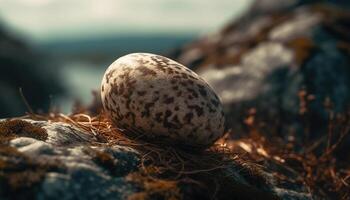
{"x": 30, "y": 110}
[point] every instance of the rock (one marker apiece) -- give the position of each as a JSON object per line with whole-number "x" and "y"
{"x": 159, "y": 98}
{"x": 283, "y": 62}
{"x": 78, "y": 165}
{"x": 282, "y": 73}
{"x": 284, "y": 67}
{"x": 67, "y": 165}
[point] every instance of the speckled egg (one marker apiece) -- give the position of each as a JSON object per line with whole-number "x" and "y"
{"x": 159, "y": 98}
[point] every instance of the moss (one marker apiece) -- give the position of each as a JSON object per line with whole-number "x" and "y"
{"x": 20, "y": 175}
{"x": 103, "y": 159}
{"x": 153, "y": 188}
{"x": 7, "y": 151}
{"x": 10, "y": 129}
{"x": 107, "y": 161}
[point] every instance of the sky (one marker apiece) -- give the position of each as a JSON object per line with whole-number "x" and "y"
{"x": 44, "y": 20}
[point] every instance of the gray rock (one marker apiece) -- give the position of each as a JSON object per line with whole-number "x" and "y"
{"x": 282, "y": 70}
{"x": 263, "y": 60}
{"x": 67, "y": 166}
{"x": 76, "y": 172}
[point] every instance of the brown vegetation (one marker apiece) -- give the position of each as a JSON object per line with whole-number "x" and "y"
{"x": 169, "y": 172}
{"x": 18, "y": 128}
{"x": 20, "y": 174}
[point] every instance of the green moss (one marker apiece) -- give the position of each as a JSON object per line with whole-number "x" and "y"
{"x": 10, "y": 129}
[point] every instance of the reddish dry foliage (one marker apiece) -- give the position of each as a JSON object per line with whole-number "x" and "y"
{"x": 319, "y": 164}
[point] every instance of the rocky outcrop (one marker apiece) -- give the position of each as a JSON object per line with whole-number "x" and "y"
{"x": 289, "y": 63}
{"x": 68, "y": 164}
{"x": 56, "y": 160}
{"x": 280, "y": 71}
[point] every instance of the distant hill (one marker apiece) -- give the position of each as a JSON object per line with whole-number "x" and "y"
{"x": 106, "y": 49}
{"x": 22, "y": 66}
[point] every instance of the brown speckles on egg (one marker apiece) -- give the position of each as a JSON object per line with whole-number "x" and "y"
{"x": 168, "y": 100}
{"x": 147, "y": 108}
{"x": 168, "y": 123}
{"x": 183, "y": 83}
{"x": 179, "y": 93}
{"x": 141, "y": 93}
{"x": 153, "y": 95}
{"x": 188, "y": 117}
{"x": 146, "y": 71}
{"x": 193, "y": 92}
{"x": 175, "y": 88}
{"x": 159, "y": 117}
{"x": 202, "y": 90}
{"x": 109, "y": 75}
{"x": 198, "y": 109}
{"x": 178, "y": 67}
{"x": 214, "y": 102}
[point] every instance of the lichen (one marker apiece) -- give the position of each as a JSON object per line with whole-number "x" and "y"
{"x": 10, "y": 129}
{"x": 103, "y": 159}
{"x": 20, "y": 174}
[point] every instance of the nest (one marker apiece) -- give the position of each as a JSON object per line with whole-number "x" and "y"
{"x": 168, "y": 172}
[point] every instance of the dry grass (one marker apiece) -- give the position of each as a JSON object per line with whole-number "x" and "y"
{"x": 321, "y": 163}
{"x": 166, "y": 172}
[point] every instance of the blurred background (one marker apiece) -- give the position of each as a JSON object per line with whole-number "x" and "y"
{"x": 281, "y": 69}
{"x": 56, "y": 51}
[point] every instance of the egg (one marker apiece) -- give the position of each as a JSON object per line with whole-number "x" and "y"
{"x": 156, "y": 97}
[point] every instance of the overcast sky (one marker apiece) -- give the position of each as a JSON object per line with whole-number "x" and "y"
{"x": 48, "y": 19}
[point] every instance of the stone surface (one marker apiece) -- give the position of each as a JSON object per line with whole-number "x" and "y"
{"x": 73, "y": 164}
{"x": 75, "y": 169}
{"x": 157, "y": 97}
{"x": 264, "y": 59}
